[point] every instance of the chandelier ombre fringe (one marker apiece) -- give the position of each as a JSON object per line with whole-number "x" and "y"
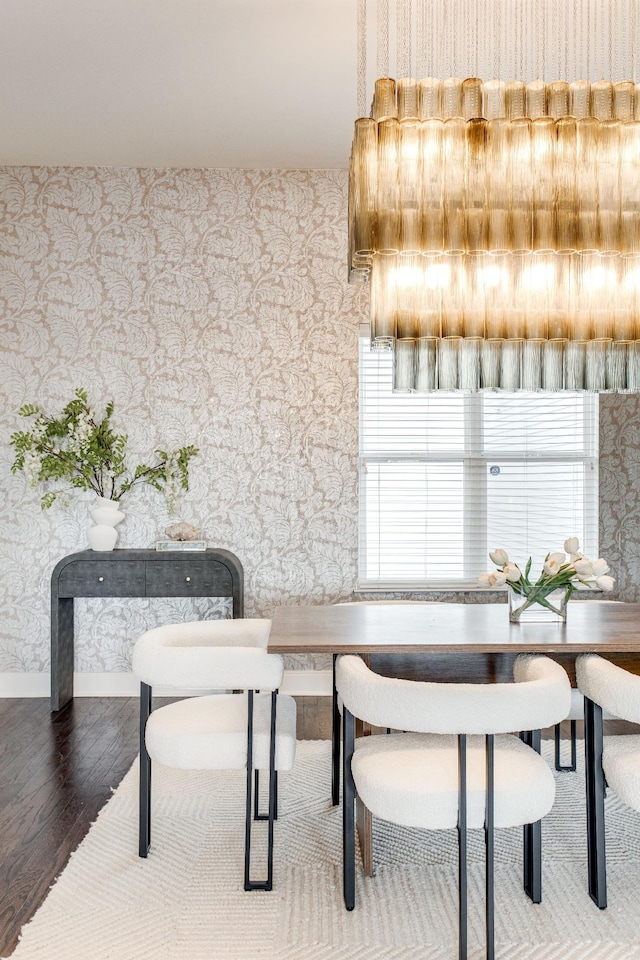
{"x": 499, "y": 224}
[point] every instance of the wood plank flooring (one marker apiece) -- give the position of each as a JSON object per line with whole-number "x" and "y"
{"x": 55, "y": 775}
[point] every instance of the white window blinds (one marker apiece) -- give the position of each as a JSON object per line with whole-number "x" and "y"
{"x": 446, "y": 477}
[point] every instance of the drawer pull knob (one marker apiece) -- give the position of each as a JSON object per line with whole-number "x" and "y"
{"x": 100, "y": 579}
{"x": 188, "y": 579}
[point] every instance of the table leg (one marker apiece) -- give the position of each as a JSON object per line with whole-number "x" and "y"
{"x": 364, "y": 823}
{"x": 61, "y": 652}
{"x": 364, "y": 820}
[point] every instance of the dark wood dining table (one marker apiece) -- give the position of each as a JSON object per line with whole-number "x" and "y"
{"x": 468, "y": 642}
{"x": 460, "y": 628}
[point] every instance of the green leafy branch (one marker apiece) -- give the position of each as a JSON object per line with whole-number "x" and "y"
{"x": 79, "y": 450}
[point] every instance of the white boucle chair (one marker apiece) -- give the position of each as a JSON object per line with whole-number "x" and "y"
{"x": 223, "y": 731}
{"x": 437, "y": 776}
{"x": 607, "y": 687}
{"x": 336, "y": 713}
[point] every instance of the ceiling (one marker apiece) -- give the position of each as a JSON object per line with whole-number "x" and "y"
{"x": 265, "y": 84}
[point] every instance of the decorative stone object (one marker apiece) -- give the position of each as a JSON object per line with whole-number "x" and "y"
{"x": 182, "y": 531}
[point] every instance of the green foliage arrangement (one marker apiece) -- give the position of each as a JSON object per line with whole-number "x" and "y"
{"x": 81, "y": 450}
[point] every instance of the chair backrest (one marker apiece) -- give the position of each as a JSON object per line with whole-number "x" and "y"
{"x": 208, "y": 655}
{"x": 616, "y": 690}
{"x": 540, "y": 697}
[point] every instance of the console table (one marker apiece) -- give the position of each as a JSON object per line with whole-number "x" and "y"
{"x": 131, "y": 573}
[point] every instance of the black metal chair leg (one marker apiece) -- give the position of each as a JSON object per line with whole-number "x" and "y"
{"x": 273, "y": 789}
{"x": 267, "y": 884}
{"x": 489, "y": 850}
{"x": 144, "y": 818}
{"x": 558, "y": 762}
{"x": 256, "y": 797}
{"x": 335, "y": 742}
{"x": 462, "y": 846}
{"x": 532, "y": 838}
{"x": 533, "y": 860}
{"x": 247, "y": 825}
{"x": 595, "y": 786}
{"x": 348, "y": 814}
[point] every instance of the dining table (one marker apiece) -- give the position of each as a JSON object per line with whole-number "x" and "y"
{"x": 464, "y": 642}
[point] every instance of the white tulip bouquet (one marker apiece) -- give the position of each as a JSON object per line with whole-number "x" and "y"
{"x": 566, "y": 571}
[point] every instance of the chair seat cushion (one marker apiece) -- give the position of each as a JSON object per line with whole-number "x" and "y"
{"x": 412, "y": 779}
{"x": 621, "y": 763}
{"x": 210, "y": 733}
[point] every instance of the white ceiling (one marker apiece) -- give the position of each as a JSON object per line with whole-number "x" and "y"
{"x": 195, "y": 83}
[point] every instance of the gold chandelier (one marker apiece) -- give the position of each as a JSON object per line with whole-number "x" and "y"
{"x": 499, "y": 222}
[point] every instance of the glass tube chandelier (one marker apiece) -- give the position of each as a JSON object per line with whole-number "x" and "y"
{"x": 498, "y": 222}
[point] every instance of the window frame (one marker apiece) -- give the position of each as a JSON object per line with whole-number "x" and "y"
{"x": 475, "y": 461}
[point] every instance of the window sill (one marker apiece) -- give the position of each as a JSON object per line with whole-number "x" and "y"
{"x": 448, "y": 586}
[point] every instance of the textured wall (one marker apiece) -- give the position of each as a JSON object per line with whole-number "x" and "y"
{"x": 212, "y": 306}
{"x": 620, "y": 491}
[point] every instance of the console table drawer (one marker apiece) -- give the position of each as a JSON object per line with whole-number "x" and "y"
{"x": 99, "y": 578}
{"x": 184, "y": 578}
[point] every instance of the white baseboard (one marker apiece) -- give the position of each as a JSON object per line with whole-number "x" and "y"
{"x": 299, "y": 683}
{"x": 24, "y": 685}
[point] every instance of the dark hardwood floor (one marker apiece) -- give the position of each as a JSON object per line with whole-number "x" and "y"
{"x": 55, "y": 775}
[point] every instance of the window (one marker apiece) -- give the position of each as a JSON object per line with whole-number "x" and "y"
{"x": 446, "y": 477}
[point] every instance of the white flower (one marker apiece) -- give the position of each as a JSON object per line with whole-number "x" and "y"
{"x": 32, "y": 467}
{"x": 79, "y": 434}
{"x": 483, "y": 580}
{"x": 499, "y": 557}
{"x": 600, "y": 567}
{"x": 551, "y": 567}
{"x": 497, "y": 579}
{"x": 605, "y": 583}
{"x": 572, "y": 545}
{"x": 560, "y": 557}
{"x": 584, "y": 568}
{"x": 512, "y": 572}
{"x": 576, "y": 556}
{"x": 39, "y": 429}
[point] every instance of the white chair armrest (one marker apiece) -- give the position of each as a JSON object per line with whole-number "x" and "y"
{"x": 250, "y": 632}
{"x": 206, "y": 668}
{"x": 614, "y": 689}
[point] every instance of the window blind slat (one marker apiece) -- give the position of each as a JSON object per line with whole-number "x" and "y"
{"x": 446, "y": 477}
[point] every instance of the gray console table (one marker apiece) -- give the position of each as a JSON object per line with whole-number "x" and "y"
{"x": 131, "y": 573}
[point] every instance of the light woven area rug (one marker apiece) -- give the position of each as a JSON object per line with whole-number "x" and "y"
{"x": 186, "y": 902}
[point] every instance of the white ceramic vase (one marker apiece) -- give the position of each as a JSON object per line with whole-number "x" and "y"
{"x": 106, "y": 517}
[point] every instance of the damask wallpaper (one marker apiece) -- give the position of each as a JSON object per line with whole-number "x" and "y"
{"x": 212, "y": 307}
{"x": 620, "y": 492}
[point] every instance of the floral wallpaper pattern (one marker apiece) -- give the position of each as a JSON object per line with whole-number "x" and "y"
{"x": 212, "y": 306}
{"x": 620, "y": 492}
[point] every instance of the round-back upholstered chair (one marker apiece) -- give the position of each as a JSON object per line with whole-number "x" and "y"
{"x": 457, "y": 764}
{"x": 337, "y": 706}
{"x": 252, "y": 727}
{"x": 614, "y": 761}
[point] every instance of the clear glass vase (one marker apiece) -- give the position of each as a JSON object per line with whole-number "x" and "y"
{"x": 549, "y": 609}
